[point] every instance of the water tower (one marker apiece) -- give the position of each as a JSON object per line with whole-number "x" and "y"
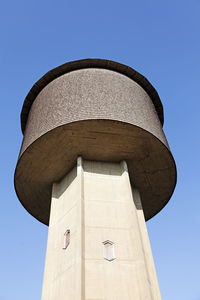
{"x": 93, "y": 166}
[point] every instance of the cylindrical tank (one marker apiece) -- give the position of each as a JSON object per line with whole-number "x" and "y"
{"x": 100, "y": 110}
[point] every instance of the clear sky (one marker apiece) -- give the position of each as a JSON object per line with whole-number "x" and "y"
{"x": 161, "y": 40}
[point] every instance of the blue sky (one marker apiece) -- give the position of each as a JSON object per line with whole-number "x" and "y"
{"x": 161, "y": 40}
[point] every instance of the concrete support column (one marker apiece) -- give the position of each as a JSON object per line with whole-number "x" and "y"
{"x": 155, "y": 290}
{"x": 108, "y": 254}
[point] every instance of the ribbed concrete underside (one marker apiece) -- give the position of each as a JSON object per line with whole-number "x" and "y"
{"x": 49, "y": 158}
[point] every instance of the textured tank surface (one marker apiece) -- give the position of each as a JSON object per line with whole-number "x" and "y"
{"x": 100, "y": 110}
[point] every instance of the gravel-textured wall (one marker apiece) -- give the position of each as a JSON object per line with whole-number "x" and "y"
{"x": 91, "y": 94}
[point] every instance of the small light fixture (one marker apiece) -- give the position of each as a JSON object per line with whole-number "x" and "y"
{"x": 66, "y": 239}
{"x": 108, "y": 250}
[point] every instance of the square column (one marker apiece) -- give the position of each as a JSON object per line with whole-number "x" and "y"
{"x": 98, "y": 246}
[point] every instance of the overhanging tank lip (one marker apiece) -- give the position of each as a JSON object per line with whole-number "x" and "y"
{"x": 85, "y": 64}
{"x": 86, "y": 120}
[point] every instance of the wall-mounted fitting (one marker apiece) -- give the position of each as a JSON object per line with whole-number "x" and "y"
{"x": 66, "y": 239}
{"x": 109, "y": 250}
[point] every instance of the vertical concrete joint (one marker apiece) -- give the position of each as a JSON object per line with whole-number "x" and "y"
{"x": 80, "y": 174}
